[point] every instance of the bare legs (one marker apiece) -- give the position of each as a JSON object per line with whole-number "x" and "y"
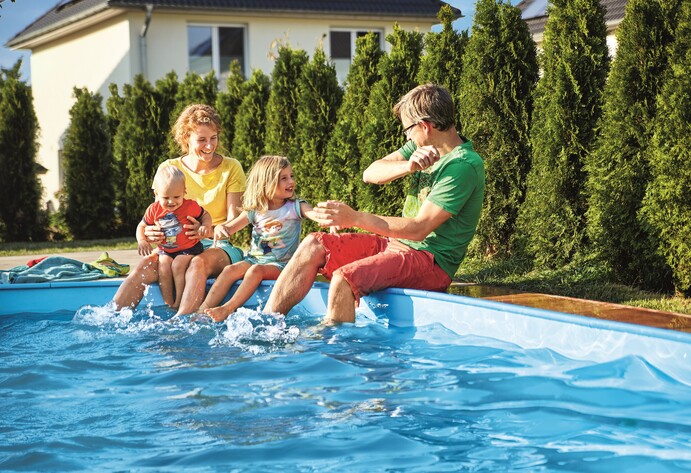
{"x": 341, "y": 302}
{"x": 132, "y": 289}
{"x": 253, "y": 276}
{"x": 296, "y": 279}
{"x": 223, "y": 283}
{"x": 165, "y": 279}
{"x": 208, "y": 264}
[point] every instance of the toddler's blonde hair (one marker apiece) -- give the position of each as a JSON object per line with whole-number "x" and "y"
{"x": 262, "y": 180}
{"x": 167, "y": 175}
{"x": 188, "y": 121}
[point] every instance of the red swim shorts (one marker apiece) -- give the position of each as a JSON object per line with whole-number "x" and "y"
{"x": 368, "y": 265}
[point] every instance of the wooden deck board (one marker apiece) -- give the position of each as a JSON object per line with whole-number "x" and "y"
{"x": 571, "y": 305}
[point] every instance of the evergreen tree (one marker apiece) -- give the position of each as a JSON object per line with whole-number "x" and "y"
{"x": 343, "y": 153}
{"x": 250, "y": 128}
{"x": 140, "y": 144}
{"x": 320, "y": 97}
{"x": 21, "y": 218}
{"x": 442, "y": 63}
{"x": 667, "y": 205}
{"x": 382, "y": 131}
{"x": 282, "y": 109}
{"x": 250, "y": 120}
{"x": 619, "y": 168}
{"x": 497, "y": 84}
{"x": 119, "y": 174}
{"x": 87, "y": 158}
{"x": 551, "y": 222}
{"x": 166, "y": 96}
{"x": 113, "y": 110}
{"x": 227, "y": 104}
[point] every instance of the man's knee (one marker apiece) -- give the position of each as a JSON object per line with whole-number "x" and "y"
{"x": 311, "y": 247}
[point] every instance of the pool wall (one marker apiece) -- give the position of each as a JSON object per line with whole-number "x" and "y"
{"x": 574, "y": 336}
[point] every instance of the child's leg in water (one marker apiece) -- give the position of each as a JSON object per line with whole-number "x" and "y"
{"x": 179, "y": 266}
{"x": 253, "y": 277}
{"x": 224, "y": 281}
{"x": 165, "y": 279}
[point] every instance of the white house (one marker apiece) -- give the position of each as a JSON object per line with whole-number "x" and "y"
{"x": 534, "y": 12}
{"x": 93, "y": 43}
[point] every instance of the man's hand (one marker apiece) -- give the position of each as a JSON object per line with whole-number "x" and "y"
{"x": 423, "y": 158}
{"x": 334, "y": 213}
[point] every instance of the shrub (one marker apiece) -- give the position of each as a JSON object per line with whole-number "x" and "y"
{"x": 496, "y": 103}
{"x": 551, "y": 221}
{"x": 88, "y": 160}
{"x": 619, "y": 168}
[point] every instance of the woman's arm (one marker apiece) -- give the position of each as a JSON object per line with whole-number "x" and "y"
{"x": 233, "y": 203}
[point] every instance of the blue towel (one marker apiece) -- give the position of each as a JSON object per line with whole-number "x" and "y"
{"x": 53, "y": 268}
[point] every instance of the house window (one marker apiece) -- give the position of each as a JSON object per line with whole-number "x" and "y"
{"x": 342, "y": 45}
{"x": 212, "y": 48}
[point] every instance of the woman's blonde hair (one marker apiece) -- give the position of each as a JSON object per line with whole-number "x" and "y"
{"x": 262, "y": 180}
{"x": 188, "y": 121}
{"x": 166, "y": 175}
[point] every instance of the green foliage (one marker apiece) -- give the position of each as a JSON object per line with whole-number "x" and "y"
{"x": 667, "y": 204}
{"x": 87, "y": 158}
{"x": 140, "y": 143}
{"x": 250, "y": 120}
{"x": 442, "y": 63}
{"x": 320, "y": 97}
{"x": 618, "y": 168}
{"x": 551, "y": 222}
{"x": 382, "y": 132}
{"x": 343, "y": 152}
{"x": 282, "y": 109}
{"x": 21, "y": 217}
{"x": 227, "y": 104}
{"x": 166, "y": 96}
{"x": 496, "y": 90}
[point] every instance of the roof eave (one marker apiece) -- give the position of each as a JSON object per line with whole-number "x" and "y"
{"x": 104, "y": 12}
{"x": 69, "y": 25}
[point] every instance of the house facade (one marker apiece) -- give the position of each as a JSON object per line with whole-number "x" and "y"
{"x": 534, "y": 12}
{"x": 93, "y": 43}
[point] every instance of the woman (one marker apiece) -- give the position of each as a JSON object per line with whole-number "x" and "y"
{"x": 216, "y": 183}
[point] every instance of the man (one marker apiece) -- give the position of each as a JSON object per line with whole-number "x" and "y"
{"x": 420, "y": 250}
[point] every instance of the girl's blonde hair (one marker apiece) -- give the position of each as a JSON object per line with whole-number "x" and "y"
{"x": 262, "y": 180}
{"x": 188, "y": 121}
{"x": 167, "y": 175}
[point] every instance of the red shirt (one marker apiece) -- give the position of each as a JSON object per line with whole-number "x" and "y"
{"x": 172, "y": 224}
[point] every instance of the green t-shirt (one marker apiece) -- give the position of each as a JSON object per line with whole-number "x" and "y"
{"x": 456, "y": 183}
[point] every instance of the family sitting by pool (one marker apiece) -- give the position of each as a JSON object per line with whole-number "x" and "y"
{"x": 420, "y": 250}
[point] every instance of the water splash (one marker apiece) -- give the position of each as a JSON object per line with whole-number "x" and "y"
{"x": 255, "y": 331}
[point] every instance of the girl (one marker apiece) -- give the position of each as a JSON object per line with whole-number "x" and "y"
{"x": 269, "y": 204}
{"x": 216, "y": 182}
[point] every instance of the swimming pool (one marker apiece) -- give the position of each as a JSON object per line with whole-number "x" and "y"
{"x": 422, "y": 382}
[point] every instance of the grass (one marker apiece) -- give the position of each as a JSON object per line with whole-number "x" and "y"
{"x": 18, "y": 249}
{"x": 587, "y": 279}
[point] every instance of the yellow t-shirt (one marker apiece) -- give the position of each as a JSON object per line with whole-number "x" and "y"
{"x": 210, "y": 190}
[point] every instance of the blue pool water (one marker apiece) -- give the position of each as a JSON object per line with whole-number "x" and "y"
{"x": 96, "y": 390}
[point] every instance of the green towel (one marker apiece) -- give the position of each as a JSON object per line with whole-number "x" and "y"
{"x": 110, "y": 267}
